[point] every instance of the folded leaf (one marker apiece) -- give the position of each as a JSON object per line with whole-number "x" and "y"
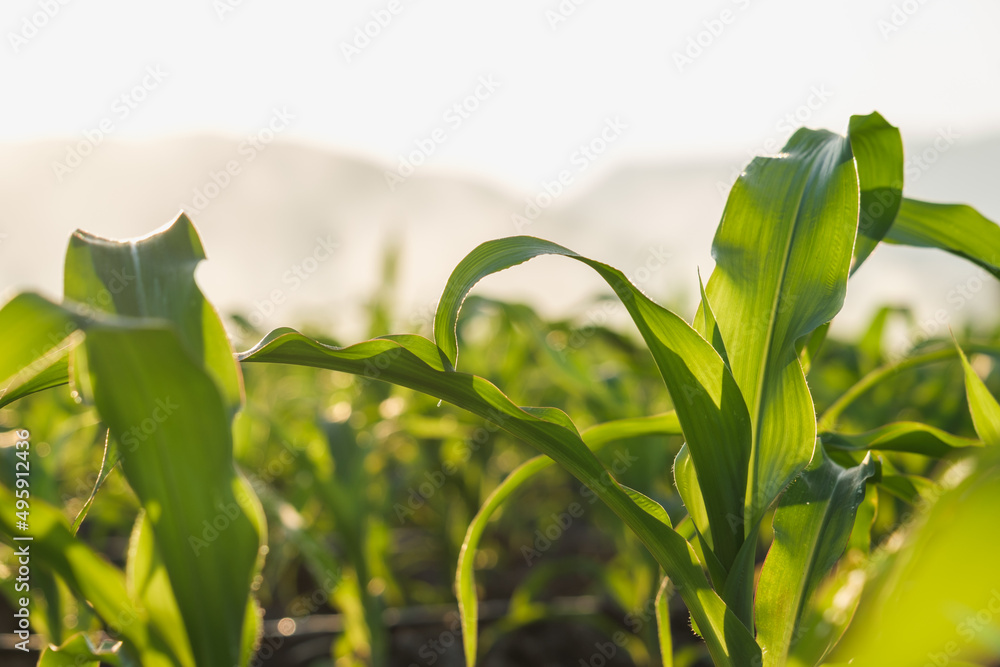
{"x": 878, "y": 152}
{"x": 708, "y": 403}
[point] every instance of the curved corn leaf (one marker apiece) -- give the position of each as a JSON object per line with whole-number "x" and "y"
{"x": 912, "y": 437}
{"x": 878, "y": 152}
{"x": 80, "y": 651}
{"x": 934, "y": 597}
{"x": 812, "y": 524}
{"x": 955, "y": 228}
{"x": 783, "y": 251}
{"x": 984, "y": 408}
{"x": 890, "y": 371}
{"x": 108, "y": 463}
{"x": 709, "y": 406}
{"x": 151, "y": 277}
{"x": 415, "y": 362}
{"x": 465, "y": 576}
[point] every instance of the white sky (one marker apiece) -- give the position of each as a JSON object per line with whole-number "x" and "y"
{"x": 557, "y": 86}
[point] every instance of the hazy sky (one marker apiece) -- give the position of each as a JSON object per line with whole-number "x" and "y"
{"x": 533, "y": 79}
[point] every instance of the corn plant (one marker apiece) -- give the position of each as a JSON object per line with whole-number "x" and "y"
{"x": 142, "y": 344}
{"x": 759, "y": 469}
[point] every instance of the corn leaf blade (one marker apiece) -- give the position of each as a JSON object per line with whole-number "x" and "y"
{"x": 783, "y": 252}
{"x": 955, "y": 228}
{"x": 812, "y": 525}
{"x": 983, "y": 406}
{"x": 174, "y": 429}
{"x": 878, "y": 152}
{"x": 911, "y": 437}
{"x": 709, "y": 406}
{"x": 153, "y": 277}
{"x": 37, "y": 335}
{"x": 80, "y": 651}
{"x": 414, "y": 362}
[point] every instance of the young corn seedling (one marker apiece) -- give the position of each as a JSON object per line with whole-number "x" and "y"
{"x": 795, "y": 227}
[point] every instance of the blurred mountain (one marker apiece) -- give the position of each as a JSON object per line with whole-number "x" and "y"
{"x": 296, "y": 232}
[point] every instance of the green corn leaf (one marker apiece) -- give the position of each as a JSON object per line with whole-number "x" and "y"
{"x": 37, "y": 336}
{"x": 686, "y": 481}
{"x": 414, "y": 362}
{"x": 878, "y": 152}
{"x": 912, "y": 437}
{"x": 649, "y": 505}
{"x": 783, "y": 252}
{"x": 812, "y": 525}
{"x": 108, "y": 463}
{"x": 954, "y": 228}
{"x": 934, "y": 594}
{"x": 709, "y": 406}
{"x": 861, "y": 535}
{"x": 148, "y": 342}
{"x": 80, "y": 651}
{"x": 147, "y": 581}
{"x": 828, "y": 616}
{"x": 662, "y": 607}
{"x": 809, "y": 346}
{"x": 984, "y": 408}
{"x": 174, "y": 430}
{"x": 153, "y": 277}
{"x": 465, "y": 577}
{"x": 706, "y": 324}
{"x": 87, "y": 574}
{"x": 891, "y": 371}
